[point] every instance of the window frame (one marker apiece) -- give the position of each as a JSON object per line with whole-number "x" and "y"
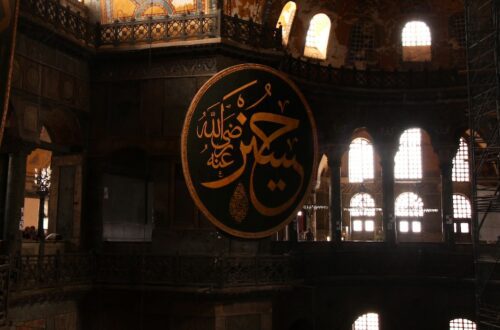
{"x": 365, "y": 146}
{"x": 413, "y": 214}
{"x": 405, "y": 156}
{"x": 363, "y": 322}
{"x": 286, "y": 30}
{"x": 311, "y": 51}
{"x": 362, "y": 210}
{"x": 461, "y": 164}
{"x": 465, "y": 324}
{"x": 461, "y": 215}
{"x": 416, "y": 37}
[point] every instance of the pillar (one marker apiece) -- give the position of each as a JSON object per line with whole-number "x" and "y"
{"x": 14, "y": 201}
{"x": 334, "y": 162}
{"x": 447, "y": 201}
{"x": 4, "y": 168}
{"x": 389, "y": 218}
{"x": 446, "y": 152}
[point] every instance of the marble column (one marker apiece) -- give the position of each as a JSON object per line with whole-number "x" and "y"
{"x": 446, "y": 152}
{"x": 334, "y": 162}
{"x": 389, "y": 219}
{"x": 447, "y": 201}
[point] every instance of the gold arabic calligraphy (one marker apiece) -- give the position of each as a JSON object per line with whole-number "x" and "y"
{"x": 220, "y": 127}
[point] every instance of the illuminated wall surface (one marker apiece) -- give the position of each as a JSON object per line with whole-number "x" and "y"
{"x": 112, "y": 10}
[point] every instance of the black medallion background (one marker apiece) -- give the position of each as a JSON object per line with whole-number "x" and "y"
{"x": 249, "y": 150}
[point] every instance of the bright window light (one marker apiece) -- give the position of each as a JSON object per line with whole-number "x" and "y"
{"x": 369, "y": 225}
{"x": 360, "y": 160}
{"x": 357, "y": 225}
{"x": 460, "y": 171}
{"x": 317, "y": 37}
{"x": 404, "y": 226}
{"x": 416, "y": 226}
{"x": 461, "y": 207}
{"x": 366, "y": 322}
{"x": 455, "y": 227}
{"x": 416, "y": 33}
{"x": 408, "y": 160}
{"x": 362, "y": 204}
{"x": 286, "y": 20}
{"x": 409, "y": 204}
{"x": 462, "y": 324}
{"x": 464, "y": 228}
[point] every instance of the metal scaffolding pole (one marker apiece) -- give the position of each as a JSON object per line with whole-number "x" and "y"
{"x": 482, "y": 35}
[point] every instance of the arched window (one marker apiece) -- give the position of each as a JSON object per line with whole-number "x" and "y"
{"x": 416, "y": 39}
{"x": 317, "y": 37}
{"x": 462, "y": 324}
{"x": 462, "y": 214}
{"x": 460, "y": 171}
{"x": 409, "y": 210}
{"x": 367, "y": 321}
{"x": 286, "y": 20}
{"x": 361, "y": 41}
{"x": 457, "y": 28}
{"x": 362, "y": 209}
{"x": 360, "y": 160}
{"x": 408, "y": 160}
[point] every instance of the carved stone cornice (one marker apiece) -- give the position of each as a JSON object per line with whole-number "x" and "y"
{"x": 171, "y": 68}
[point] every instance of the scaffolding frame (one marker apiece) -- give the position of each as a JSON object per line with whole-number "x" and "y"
{"x": 483, "y": 62}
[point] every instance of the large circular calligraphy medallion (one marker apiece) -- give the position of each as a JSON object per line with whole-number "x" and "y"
{"x": 249, "y": 150}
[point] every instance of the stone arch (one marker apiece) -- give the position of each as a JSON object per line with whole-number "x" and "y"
{"x": 63, "y": 126}
{"x": 286, "y": 19}
{"x": 145, "y": 6}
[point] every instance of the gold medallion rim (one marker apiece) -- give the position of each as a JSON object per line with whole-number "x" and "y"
{"x": 185, "y": 165}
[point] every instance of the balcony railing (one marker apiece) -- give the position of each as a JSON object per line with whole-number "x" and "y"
{"x": 218, "y": 272}
{"x": 189, "y": 27}
{"x": 62, "y": 18}
{"x": 158, "y": 29}
{"x": 318, "y": 73}
{"x": 184, "y": 27}
{"x": 31, "y": 272}
{"x": 203, "y": 26}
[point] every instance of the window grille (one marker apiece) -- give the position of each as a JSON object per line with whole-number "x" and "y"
{"x": 460, "y": 172}
{"x": 362, "y": 205}
{"x": 317, "y": 37}
{"x": 416, "y": 33}
{"x": 408, "y": 160}
{"x": 409, "y": 204}
{"x": 461, "y": 207}
{"x": 457, "y": 28}
{"x": 361, "y": 41}
{"x": 462, "y": 324}
{"x": 366, "y": 322}
{"x": 286, "y": 20}
{"x": 416, "y": 39}
{"x": 360, "y": 160}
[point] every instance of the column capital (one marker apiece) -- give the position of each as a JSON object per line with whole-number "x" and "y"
{"x": 334, "y": 154}
{"x": 387, "y": 152}
{"x": 446, "y": 153}
{"x": 13, "y": 145}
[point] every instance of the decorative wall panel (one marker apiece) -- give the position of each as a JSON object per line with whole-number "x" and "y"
{"x": 112, "y": 10}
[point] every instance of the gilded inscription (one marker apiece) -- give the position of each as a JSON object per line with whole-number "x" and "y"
{"x": 252, "y": 141}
